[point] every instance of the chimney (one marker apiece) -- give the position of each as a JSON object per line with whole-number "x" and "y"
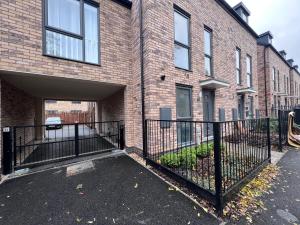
{"x": 242, "y": 11}
{"x": 283, "y": 54}
{"x": 265, "y": 38}
{"x": 296, "y": 67}
{"x": 290, "y": 61}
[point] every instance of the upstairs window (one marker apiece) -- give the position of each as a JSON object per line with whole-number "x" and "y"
{"x": 278, "y": 81}
{"x": 72, "y": 30}
{"x": 238, "y": 66}
{"x": 288, "y": 85}
{"x": 284, "y": 81}
{"x": 208, "y": 52}
{"x": 182, "y": 40}
{"x": 274, "y": 79}
{"x": 249, "y": 71}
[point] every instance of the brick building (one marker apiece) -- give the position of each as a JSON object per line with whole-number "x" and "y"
{"x": 53, "y": 106}
{"x": 134, "y": 59}
{"x": 279, "y": 83}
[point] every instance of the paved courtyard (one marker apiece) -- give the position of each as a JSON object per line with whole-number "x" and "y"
{"x": 108, "y": 191}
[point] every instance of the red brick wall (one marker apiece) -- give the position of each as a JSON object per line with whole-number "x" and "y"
{"x": 272, "y": 61}
{"x": 159, "y": 46}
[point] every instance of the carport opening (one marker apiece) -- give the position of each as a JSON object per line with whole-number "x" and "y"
{"x": 29, "y": 100}
{"x": 68, "y": 112}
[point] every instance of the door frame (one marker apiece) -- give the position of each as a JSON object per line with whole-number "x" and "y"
{"x": 212, "y": 91}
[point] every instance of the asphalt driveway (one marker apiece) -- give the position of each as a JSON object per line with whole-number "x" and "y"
{"x": 109, "y": 191}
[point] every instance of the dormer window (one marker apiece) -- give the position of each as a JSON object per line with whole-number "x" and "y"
{"x": 242, "y": 11}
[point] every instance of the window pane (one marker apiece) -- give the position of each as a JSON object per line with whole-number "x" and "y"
{"x": 207, "y": 42}
{"x": 237, "y": 56}
{"x": 91, "y": 34}
{"x": 238, "y": 78}
{"x": 248, "y": 64}
{"x": 63, "y": 46}
{"x": 207, "y": 66}
{"x": 64, "y": 14}
{"x": 182, "y": 57}
{"x": 181, "y": 28}
{"x": 184, "y": 132}
{"x": 249, "y": 82}
{"x": 183, "y": 103}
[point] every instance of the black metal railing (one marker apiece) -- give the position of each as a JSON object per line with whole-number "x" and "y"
{"x": 35, "y": 145}
{"x": 274, "y": 111}
{"x": 212, "y": 158}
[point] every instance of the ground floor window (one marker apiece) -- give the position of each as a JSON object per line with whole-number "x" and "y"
{"x": 184, "y": 114}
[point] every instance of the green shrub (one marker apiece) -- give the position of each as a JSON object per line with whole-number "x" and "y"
{"x": 204, "y": 150}
{"x": 172, "y": 160}
{"x": 188, "y": 157}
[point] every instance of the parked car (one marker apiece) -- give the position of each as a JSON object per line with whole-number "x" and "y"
{"x": 53, "y": 123}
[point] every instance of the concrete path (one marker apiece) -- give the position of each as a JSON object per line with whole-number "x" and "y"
{"x": 108, "y": 191}
{"x": 283, "y": 204}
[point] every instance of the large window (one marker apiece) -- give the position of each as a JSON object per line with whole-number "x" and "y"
{"x": 182, "y": 40}
{"x": 184, "y": 114}
{"x": 249, "y": 71}
{"x": 72, "y": 30}
{"x": 208, "y": 52}
{"x": 284, "y": 81}
{"x": 278, "y": 81}
{"x": 238, "y": 66}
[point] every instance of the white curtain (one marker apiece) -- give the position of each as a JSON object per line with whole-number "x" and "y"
{"x": 65, "y": 15}
{"x": 63, "y": 46}
{"x": 91, "y": 34}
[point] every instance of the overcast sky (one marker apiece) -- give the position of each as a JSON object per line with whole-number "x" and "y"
{"x": 282, "y": 18}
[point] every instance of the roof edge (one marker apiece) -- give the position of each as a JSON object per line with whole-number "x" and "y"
{"x": 232, "y": 12}
{"x": 280, "y": 56}
{"x": 126, "y": 3}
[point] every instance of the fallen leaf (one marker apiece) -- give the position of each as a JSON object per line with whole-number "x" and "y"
{"x": 171, "y": 189}
{"x": 136, "y": 185}
{"x": 79, "y": 186}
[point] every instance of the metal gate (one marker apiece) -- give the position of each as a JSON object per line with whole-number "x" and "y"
{"x": 30, "y": 146}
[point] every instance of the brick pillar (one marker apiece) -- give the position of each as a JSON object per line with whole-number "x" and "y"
{"x": 39, "y": 118}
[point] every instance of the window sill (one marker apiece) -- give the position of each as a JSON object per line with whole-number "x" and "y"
{"x": 186, "y": 70}
{"x": 72, "y": 60}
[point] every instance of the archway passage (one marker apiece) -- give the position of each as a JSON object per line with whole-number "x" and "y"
{"x": 54, "y": 119}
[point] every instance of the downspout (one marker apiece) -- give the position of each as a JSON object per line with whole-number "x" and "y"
{"x": 142, "y": 76}
{"x": 265, "y": 74}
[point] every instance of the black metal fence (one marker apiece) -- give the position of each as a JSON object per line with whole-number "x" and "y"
{"x": 215, "y": 159}
{"x": 36, "y": 145}
{"x": 275, "y": 110}
{"x": 279, "y": 129}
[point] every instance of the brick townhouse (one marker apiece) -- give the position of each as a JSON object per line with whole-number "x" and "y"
{"x": 196, "y": 60}
{"x": 279, "y": 83}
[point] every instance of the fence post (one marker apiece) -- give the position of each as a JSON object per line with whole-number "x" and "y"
{"x": 145, "y": 141}
{"x": 218, "y": 167}
{"x": 7, "y": 150}
{"x": 269, "y": 139}
{"x": 76, "y": 140}
{"x": 280, "y": 130}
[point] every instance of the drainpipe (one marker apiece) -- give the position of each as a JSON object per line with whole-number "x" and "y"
{"x": 142, "y": 75}
{"x": 265, "y": 75}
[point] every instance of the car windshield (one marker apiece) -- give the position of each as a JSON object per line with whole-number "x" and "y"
{"x": 53, "y": 120}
